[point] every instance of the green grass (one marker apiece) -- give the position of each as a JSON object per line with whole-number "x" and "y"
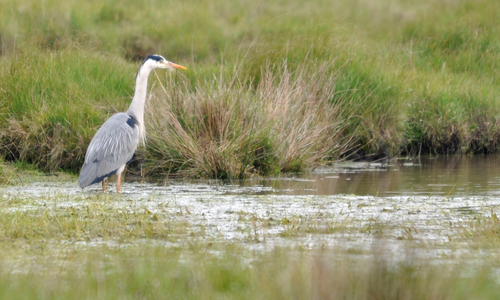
{"x": 57, "y": 102}
{"x": 271, "y": 87}
{"x": 154, "y": 272}
{"x": 404, "y": 78}
{"x": 19, "y": 172}
{"x": 101, "y": 246}
{"x": 5, "y": 176}
{"x": 84, "y": 223}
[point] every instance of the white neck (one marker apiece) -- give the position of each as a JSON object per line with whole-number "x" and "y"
{"x": 136, "y": 108}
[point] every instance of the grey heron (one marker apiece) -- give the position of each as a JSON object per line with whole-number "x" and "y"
{"x": 114, "y": 144}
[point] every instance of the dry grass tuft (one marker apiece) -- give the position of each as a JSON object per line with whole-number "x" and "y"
{"x": 43, "y": 144}
{"x": 230, "y": 129}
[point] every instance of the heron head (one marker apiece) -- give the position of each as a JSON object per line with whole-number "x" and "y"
{"x": 160, "y": 62}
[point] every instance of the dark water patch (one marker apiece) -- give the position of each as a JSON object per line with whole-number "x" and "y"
{"x": 445, "y": 176}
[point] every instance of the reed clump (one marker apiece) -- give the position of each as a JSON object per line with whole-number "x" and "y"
{"x": 227, "y": 128}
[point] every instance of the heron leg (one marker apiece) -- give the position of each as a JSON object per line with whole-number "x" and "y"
{"x": 118, "y": 183}
{"x": 103, "y": 186}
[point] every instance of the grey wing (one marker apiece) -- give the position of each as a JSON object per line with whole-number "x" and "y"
{"x": 111, "y": 148}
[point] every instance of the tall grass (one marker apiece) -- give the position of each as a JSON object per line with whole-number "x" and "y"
{"x": 225, "y": 128}
{"x": 54, "y": 101}
{"x": 410, "y": 77}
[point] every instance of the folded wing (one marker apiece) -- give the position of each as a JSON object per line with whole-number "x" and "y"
{"x": 111, "y": 148}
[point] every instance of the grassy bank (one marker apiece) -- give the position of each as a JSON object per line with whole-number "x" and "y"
{"x": 370, "y": 79}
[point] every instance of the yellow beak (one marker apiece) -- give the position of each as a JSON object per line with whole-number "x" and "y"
{"x": 177, "y": 66}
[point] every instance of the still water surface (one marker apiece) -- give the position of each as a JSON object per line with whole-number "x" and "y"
{"x": 426, "y": 176}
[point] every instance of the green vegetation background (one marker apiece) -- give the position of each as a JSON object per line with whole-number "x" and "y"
{"x": 399, "y": 77}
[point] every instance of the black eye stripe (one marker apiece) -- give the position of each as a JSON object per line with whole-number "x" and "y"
{"x": 155, "y": 57}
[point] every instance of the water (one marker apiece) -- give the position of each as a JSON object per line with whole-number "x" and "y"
{"x": 442, "y": 176}
{"x": 352, "y": 206}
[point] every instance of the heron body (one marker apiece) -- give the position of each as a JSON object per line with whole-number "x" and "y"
{"x": 114, "y": 144}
